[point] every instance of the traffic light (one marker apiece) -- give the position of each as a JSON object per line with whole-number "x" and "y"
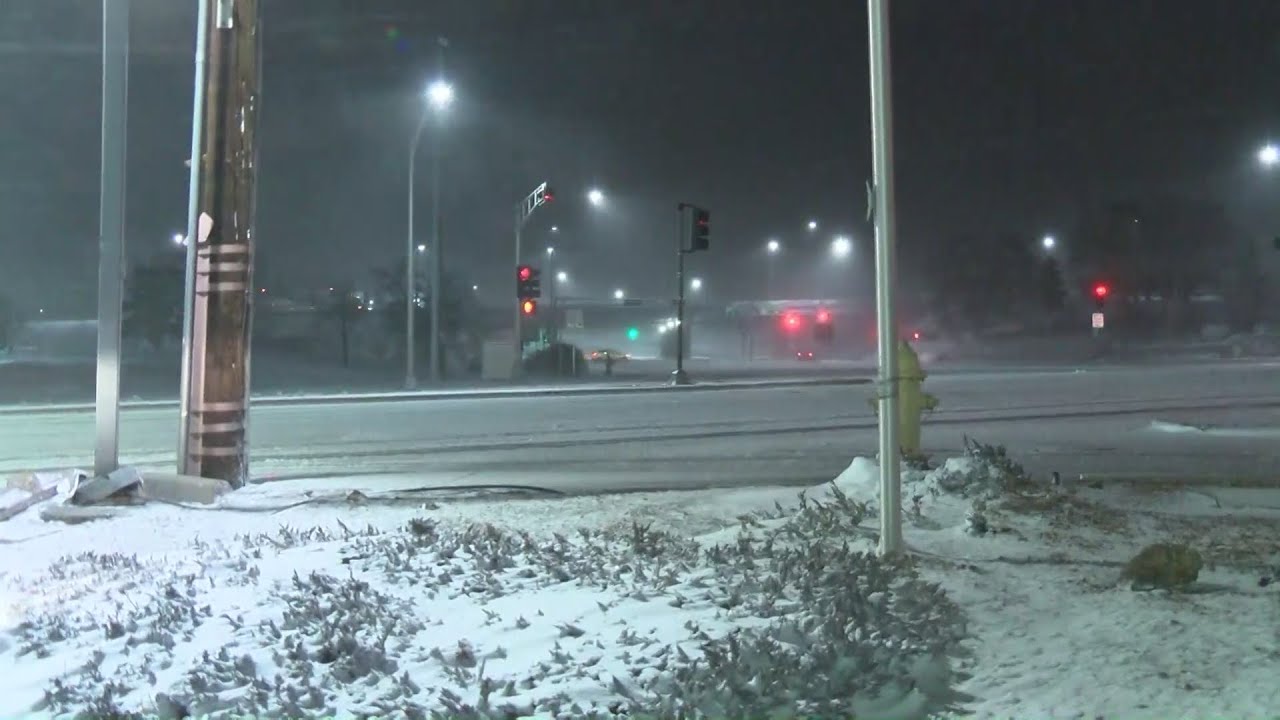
{"x": 633, "y": 334}
{"x": 528, "y": 307}
{"x": 700, "y": 231}
{"x": 547, "y": 195}
{"x": 528, "y": 282}
{"x": 790, "y": 322}
{"x": 823, "y": 329}
{"x": 1100, "y": 293}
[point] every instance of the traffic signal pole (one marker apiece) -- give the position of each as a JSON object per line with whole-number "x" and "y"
{"x": 540, "y": 195}
{"x": 218, "y": 404}
{"x": 517, "y": 327}
{"x": 680, "y": 377}
{"x": 883, "y": 211}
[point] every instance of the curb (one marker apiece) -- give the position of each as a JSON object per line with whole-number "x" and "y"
{"x": 497, "y": 394}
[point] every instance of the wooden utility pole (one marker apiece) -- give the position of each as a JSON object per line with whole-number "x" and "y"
{"x": 217, "y": 404}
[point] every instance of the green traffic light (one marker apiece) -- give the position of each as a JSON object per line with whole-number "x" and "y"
{"x": 633, "y": 333}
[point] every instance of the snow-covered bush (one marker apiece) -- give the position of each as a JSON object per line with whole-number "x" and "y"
{"x": 789, "y": 619}
{"x": 984, "y": 472}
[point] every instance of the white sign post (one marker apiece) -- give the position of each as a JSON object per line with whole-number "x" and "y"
{"x": 1099, "y": 321}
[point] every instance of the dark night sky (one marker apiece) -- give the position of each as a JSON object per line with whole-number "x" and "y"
{"x": 1011, "y": 116}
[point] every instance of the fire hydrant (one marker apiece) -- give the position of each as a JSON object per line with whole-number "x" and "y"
{"x": 913, "y": 401}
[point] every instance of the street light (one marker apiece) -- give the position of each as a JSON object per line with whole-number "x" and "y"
{"x": 695, "y": 284}
{"x": 1269, "y": 155}
{"x": 179, "y": 239}
{"x": 773, "y": 246}
{"x": 422, "y": 247}
{"x": 439, "y": 96}
{"x": 551, "y": 251}
{"x": 813, "y": 225}
{"x": 562, "y": 277}
{"x": 595, "y": 197}
{"x": 619, "y": 294}
{"x": 841, "y": 246}
{"x": 1049, "y": 242}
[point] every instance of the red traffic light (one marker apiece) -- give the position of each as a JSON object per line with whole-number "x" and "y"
{"x": 524, "y": 272}
{"x": 791, "y": 321}
{"x": 1100, "y": 290}
{"x": 824, "y": 316}
{"x": 528, "y": 307}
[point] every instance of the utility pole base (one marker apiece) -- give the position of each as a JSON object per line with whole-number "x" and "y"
{"x": 680, "y": 377}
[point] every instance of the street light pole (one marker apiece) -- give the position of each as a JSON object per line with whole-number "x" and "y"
{"x": 887, "y": 330}
{"x": 111, "y": 254}
{"x": 410, "y": 291}
{"x": 437, "y": 245}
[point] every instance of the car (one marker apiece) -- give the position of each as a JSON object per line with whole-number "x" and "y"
{"x": 605, "y": 354}
{"x": 804, "y": 355}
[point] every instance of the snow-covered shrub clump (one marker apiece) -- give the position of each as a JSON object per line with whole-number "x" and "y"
{"x": 788, "y": 619}
{"x": 984, "y": 472}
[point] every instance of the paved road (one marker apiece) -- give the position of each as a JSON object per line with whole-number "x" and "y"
{"x": 1071, "y": 421}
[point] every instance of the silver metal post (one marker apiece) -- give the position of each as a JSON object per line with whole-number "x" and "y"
{"x": 111, "y": 255}
{"x": 410, "y": 376}
{"x": 886, "y": 320}
{"x": 186, "y": 463}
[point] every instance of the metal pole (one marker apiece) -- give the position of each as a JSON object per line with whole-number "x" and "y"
{"x": 111, "y": 207}
{"x": 410, "y": 377}
{"x": 518, "y": 361}
{"x": 553, "y": 325}
{"x": 186, "y": 463}
{"x": 886, "y": 320}
{"x": 437, "y": 241}
{"x": 680, "y": 377}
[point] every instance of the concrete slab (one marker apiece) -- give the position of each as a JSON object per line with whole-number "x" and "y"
{"x": 73, "y": 515}
{"x": 171, "y": 487}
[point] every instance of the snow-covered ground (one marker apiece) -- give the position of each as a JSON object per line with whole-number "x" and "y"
{"x": 304, "y": 602}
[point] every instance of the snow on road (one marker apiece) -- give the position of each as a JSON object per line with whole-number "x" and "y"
{"x": 597, "y": 604}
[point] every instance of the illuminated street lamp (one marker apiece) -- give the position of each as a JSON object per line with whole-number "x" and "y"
{"x": 562, "y": 277}
{"x": 1269, "y": 155}
{"x": 595, "y": 197}
{"x": 841, "y": 247}
{"x": 1048, "y": 242}
{"x": 440, "y": 95}
{"x": 619, "y": 294}
{"x": 773, "y": 246}
{"x": 695, "y": 284}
